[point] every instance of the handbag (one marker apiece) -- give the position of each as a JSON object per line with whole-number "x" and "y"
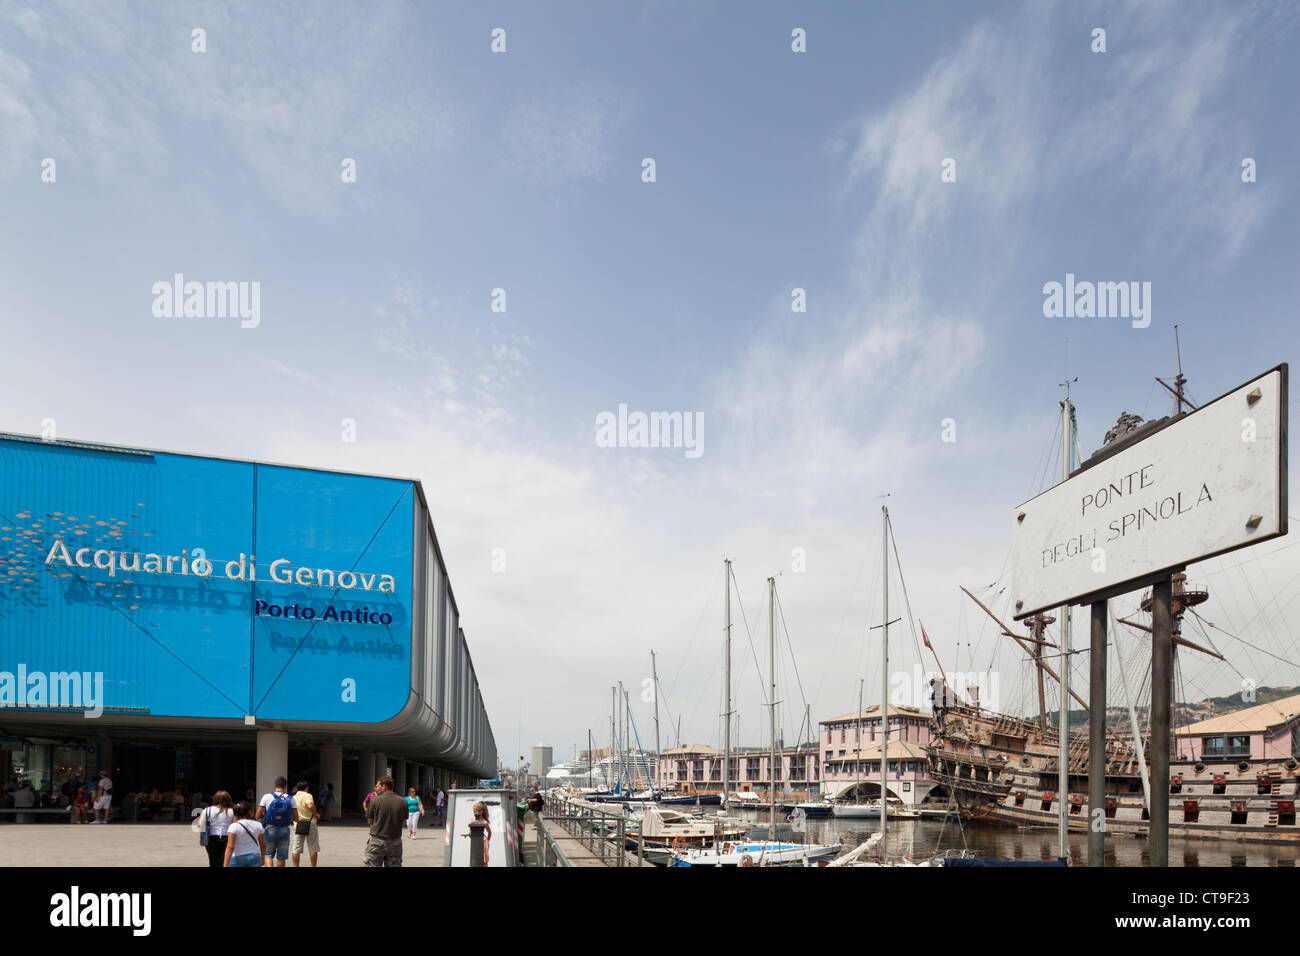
{"x": 203, "y": 829}
{"x": 302, "y": 827}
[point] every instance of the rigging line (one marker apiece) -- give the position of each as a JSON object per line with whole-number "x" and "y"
{"x": 1043, "y": 462}
{"x": 1147, "y": 403}
{"x": 1256, "y": 555}
{"x": 1250, "y": 589}
{"x": 696, "y": 633}
{"x": 1244, "y": 678}
{"x": 1192, "y": 611}
{"x": 790, "y": 647}
{"x": 898, "y": 563}
{"x": 709, "y": 680}
{"x": 757, "y": 670}
{"x": 333, "y": 594}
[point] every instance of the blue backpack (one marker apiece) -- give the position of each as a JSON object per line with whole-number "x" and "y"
{"x": 278, "y": 814}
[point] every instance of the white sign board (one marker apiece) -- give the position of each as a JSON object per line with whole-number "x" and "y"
{"x": 1210, "y": 482}
{"x": 503, "y": 820}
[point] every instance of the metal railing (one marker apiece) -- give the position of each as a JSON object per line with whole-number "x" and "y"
{"x": 594, "y": 827}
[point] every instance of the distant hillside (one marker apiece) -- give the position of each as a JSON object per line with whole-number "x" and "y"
{"x": 1187, "y": 713}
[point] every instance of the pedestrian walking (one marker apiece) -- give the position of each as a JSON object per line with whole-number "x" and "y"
{"x": 104, "y": 800}
{"x": 275, "y": 810}
{"x": 306, "y": 833}
{"x": 386, "y": 813}
{"x": 216, "y": 820}
{"x": 414, "y": 810}
{"x": 440, "y": 808}
{"x": 246, "y": 843}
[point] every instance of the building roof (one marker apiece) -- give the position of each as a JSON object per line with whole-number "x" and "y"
{"x": 1255, "y": 719}
{"x": 874, "y": 711}
{"x": 897, "y": 749}
{"x": 699, "y": 750}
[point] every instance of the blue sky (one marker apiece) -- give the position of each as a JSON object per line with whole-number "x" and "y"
{"x": 775, "y": 170}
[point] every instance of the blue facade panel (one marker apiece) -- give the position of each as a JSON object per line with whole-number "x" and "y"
{"x": 207, "y": 588}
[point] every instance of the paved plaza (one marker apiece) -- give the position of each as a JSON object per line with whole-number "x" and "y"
{"x": 175, "y": 844}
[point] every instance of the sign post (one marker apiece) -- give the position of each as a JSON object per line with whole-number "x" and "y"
{"x": 1186, "y": 489}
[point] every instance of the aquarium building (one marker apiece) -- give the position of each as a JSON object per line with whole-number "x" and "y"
{"x": 182, "y": 620}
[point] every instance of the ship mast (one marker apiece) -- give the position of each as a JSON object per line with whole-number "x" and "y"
{"x": 1063, "y": 723}
{"x": 726, "y": 713}
{"x": 654, "y": 674}
{"x": 1037, "y": 625}
{"x": 884, "y": 684}
{"x": 771, "y": 653}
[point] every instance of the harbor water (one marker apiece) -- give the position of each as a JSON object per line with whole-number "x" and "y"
{"x": 920, "y": 839}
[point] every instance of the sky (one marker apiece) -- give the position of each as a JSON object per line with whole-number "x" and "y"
{"x": 502, "y": 269}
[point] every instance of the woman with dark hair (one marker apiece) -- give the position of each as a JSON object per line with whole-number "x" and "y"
{"x": 216, "y": 819}
{"x": 246, "y": 840}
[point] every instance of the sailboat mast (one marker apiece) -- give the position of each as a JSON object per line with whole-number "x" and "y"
{"x": 884, "y": 682}
{"x": 613, "y": 732}
{"x": 726, "y": 713}
{"x": 857, "y": 764}
{"x": 771, "y": 663}
{"x": 654, "y": 674}
{"x": 1063, "y": 723}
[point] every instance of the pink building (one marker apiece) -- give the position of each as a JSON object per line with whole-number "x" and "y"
{"x": 1256, "y": 733}
{"x": 850, "y": 752}
{"x": 697, "y": 767}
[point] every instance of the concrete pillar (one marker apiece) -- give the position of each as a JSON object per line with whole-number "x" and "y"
{"x": 399, "y": 777}
{"x": 331, "y": 770}
{"x": 366, "y": 775}
{"x": 272, "y": 760}
{"x": 382, "y": 765}
{"x": 105, "y": 759}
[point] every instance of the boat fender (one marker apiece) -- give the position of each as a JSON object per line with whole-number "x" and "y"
{"x": 1200, "y": 768}
{"x": 1243, "y": 766}
{"x": 1292, "y": 764}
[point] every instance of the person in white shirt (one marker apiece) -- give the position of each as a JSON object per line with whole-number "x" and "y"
{"x": 217, "y": 820}
{"x": 104, "y": 802}
{"x": 245, "y": 842}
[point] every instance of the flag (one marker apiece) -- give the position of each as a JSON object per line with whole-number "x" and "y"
{"x": 926, "y": 639}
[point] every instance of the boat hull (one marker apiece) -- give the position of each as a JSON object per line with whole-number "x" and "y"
{"x": 768, "y": 854}
{"x": 1002, "y": 770}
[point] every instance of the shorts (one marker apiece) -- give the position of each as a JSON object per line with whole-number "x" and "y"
{"x": 381, "y": 852}
{"x": 277, "y": 842}
{"x": 246, "y": 859}
{"x": 311, "y": 840}
{"x": 104, "y": 802}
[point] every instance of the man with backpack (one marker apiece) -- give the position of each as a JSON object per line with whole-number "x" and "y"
{"x": 275, "y": 811}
